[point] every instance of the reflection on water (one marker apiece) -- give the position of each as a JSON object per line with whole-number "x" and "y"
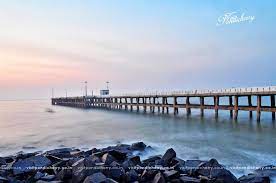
{"x": 25, "y": 126}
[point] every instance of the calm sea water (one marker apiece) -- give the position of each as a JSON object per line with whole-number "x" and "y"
{"x": 26, "y": 126}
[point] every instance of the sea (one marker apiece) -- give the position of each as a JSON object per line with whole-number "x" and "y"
{"x": 241, "y": 146}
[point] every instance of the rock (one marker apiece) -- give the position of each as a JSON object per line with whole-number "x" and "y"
{"x": 138, "y": 146}
{"x": 114, "y": 164}
{"x": 107, "y": 159}
{"x": 61, "y": 153}
{"x": 116, "y": 173}
{"x": 9, "y": 159}
{"x": 186, "y": 179}
{"x": 28, "y": 165}
{"x": 135, "y": 159}
{"x": 40, "y": 161}
{"x": 22, "y": 166}
{"x": 118, "y": 155}
{"x": 171, "y": 174}
{"x": 3, "y": 179}
{"x": 64, "y": 174}
{"x": 42, "y": 181}
{"x": 131, "y": 162}
{"x": 48, "y": 177}
{"x": 82, "y": 169}
{"x": 159, "y": 178}
{"x": 151, "y": 159}
{"x": 77, "y": 153}
{"x": 148, "y": 175}
{"x": 213, "y": 170}
{"x": 132, "y": 176}
{"x": 123, "y": 148}
{"x": 109, "y": 180}
{"x": 95, "y": 178}
{"x": 2, "y": 161}
{"x": 175, "y": 181}
{"x": 254, "y": 178}
{"x": 90, "y": 152}
{"x": 58, "y": 166}
{"x": 190, "y": 166}
{"x": 38, "y": 175}
{"x": 167, "y": 157}
{"x": 95, "y": 159}
{"x": 268, "y": 170}
{"x": 73, "y": 160}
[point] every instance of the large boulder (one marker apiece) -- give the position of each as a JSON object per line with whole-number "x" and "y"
{"x": 169, "y": 155}
{"x": 187, "y": 179}
{"x": 171, "y": 174}
{"x": 131, "y": 162}
{"x": 22, "y": 166}
{"x": 148, "y": 175}
{"x": 269, "y": 170}
{"x": 151, "y": 160}
{"x": 254, "y": 178}
{"x": 40, "y": 161}
{"x": 118, "y": 155}
{"x": 2, "y": 161}
{"x": 82, "y": 169}
{"x": 61, "y": 153}
{"x": 95, "y": 178}
{"x": 159, "y": 178}
{"x": 213, "y": 170}
{"x": 64, "y": 174}
{"x": 116, "y": 172}
{"x": 107, "y": 159}
{"x": 29, "y": 164}
{"x": 189, "y": 166}
{"x": 132, "y": 176}
{"x": 138, "y": 146}
{"x": 3, "y": 179}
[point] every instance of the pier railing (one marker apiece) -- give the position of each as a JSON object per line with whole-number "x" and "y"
{"x": 227, "y": 91}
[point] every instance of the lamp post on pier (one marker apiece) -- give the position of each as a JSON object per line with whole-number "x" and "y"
{"x": 85, "y": 88}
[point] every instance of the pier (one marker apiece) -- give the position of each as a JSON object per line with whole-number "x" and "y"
{"x": 166, "y": 102}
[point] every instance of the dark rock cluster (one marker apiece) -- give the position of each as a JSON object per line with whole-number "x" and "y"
{"x": 118, "y": 164}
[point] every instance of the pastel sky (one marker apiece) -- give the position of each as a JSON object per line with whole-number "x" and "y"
{"x": 137, "y": 45}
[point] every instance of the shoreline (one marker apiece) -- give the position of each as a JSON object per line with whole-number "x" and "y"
{"x": 119, "y": 163}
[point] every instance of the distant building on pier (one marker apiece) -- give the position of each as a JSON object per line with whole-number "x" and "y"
{"x": 104, "y": 92}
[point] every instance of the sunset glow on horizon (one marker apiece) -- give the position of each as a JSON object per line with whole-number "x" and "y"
{"x": 137, "y": 46}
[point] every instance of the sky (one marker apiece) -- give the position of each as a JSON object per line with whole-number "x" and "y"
{"x": 136, "y": 45}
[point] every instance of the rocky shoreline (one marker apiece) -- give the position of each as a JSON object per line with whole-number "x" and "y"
{"x": 118, "y": 163}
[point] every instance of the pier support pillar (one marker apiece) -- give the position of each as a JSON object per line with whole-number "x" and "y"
{"x": 259, "y": 105}
{"x": 131, "y": 104}
{"x": 175, "y": 109}
{"x": 250, "y": 105}
{"x": 201, "y": 106}
{"x": 231, "y": 105}
{"x": 236, "y": 107}
{"x": 188, "y": 109}
{"x": 144, "y": 103}
{"x": 167, "y": 104}
{"x": 153, "y": 107}
{"x": 137, "y": 103}
{"x": 163, "y": 103}
{"x": 272, "y": 98}
{"x": 120, "y": 103}
{"x": 216, "y": 103}
{"x": 125, "y": 103}
{"x": 158, "y": 105}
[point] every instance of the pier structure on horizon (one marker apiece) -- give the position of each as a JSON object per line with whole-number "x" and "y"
{"x": 159, "y": 101}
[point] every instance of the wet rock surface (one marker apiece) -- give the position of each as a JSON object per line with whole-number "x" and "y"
{"x": 119, "y": 163}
